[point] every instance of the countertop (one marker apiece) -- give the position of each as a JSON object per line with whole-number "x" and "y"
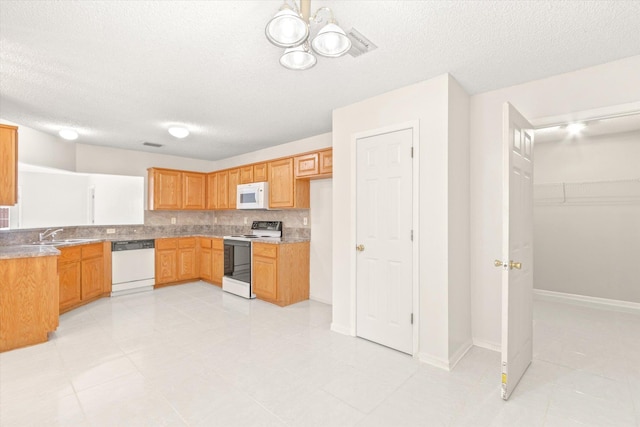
{"x": 26, "y": 251}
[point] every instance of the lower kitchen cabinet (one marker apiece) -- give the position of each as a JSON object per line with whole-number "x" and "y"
{"x": 187, "y": 259}
{"x": 281, "y": 272}
{"x": 176, "y": 260}
{"x": 211, "y": 260}
{"x": 82, "y": 275}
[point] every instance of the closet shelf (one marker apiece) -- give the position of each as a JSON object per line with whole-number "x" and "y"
{"x": 597, "y": 192}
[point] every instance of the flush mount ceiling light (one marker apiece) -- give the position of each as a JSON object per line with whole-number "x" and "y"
{"x": 68, "y": 134}
{"x": 575, "y": 128}
{"x": 179, "y": 131}
{"x": 290, "y": 28}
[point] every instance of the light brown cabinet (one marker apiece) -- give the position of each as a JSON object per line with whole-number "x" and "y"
{"x": 211, "y": 260}
{"x": 212, "y": 190}
{"x": 8, "y": 165}
{"x": 29, "y": 302}
{"x": 194, "y": 190}
{"x": 281, "y": 272}
{"x": 234, "y": 180}
{"x": 176, "y": 260}
{"x": 82, "y": 275}
{"x": 223, "y": 190}
{"x": 206, "y": 267}
{"x": 260, "y": 172}
{"x": 314, "y": 165}
{"x": 284, "y": 190}
{"x": 246, "y": 174}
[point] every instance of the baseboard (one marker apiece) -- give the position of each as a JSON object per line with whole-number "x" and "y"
{"x": 587, "y": 301}
{"x": 340, "y": 329}
{"x": 489, "y": 345}
{"x": 322, "y": 300}
{"x": 434, "y": 361}
{"x": 458, "y": 355}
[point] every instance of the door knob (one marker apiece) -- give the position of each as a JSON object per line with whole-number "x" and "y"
{"x": 360, "y": 248}
{"x": 515, "y": 265}
{"x": 498, "y": 263}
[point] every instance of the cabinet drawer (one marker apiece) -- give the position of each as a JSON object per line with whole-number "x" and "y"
{"x": 187, "y": 243}
{"x": 217, "y": 244}
{"x": 70, "y": 254}
{"x": 166, "y": 244}
{"x": 266, "y": 250}
{"x": 205, "y": 243}
{"x": 90, "y": 251}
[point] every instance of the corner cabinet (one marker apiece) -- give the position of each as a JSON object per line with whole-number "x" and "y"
{"x": 281, "y": 272}
{"x": 83, "y": 274}
{"x": 176, "y": 260}
{"x": 8, "y": 165}
{"x": 285, "y": 191}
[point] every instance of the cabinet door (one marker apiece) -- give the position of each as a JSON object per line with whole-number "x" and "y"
{"x": 212, "y": 191}
{"x": 187, "y": 259}
{"x": 246, "y": 174}
{"x": 281, "y": 184}
{"x": 193, "y": 190}
{"x": 92, "y": 277}
{"x": 234, "y": 180}
{"x": 217, "y": 266}
{"x": 70, "y": 285}
{"x": 265, "y": 277}
{"x": 326, "y": 161}
{"x": 306, "y": 165}
{"x": 8, "y": 165}
{"x": 223, "y": 190}
{"x": 167, "y": 189}
{"x": 166, "y": 265}
{"x": 205, "y": 264}
{"x": 260, "y": 172}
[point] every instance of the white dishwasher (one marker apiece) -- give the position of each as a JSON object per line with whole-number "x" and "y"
{"x": 133, "y": 266}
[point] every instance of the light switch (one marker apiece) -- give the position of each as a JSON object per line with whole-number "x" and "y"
{"x": 173, "y": 220}
{"x": 305, "y": 221}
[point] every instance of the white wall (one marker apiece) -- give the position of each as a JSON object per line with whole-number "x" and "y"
{"x": 605, "y": 85}
{"x": 431, "y": 103}
{"x": 589, "y": 248}
{"x": 42, "y": 149}
{"x": 321, "y": 221}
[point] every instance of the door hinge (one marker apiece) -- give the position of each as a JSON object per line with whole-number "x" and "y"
{"x": 412, "y": 318}
{"x": 412, "y": 235}
{"x": 411, "y": 152}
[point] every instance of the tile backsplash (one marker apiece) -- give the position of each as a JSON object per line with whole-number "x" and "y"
{"x": 159, "y": 223}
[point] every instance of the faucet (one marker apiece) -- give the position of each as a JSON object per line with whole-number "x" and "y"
{"x": 50, "y": 233}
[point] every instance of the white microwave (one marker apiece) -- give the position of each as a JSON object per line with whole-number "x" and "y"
{"x": 253, "y": 196}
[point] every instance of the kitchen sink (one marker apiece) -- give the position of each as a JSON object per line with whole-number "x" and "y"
{"x": 63, "y": 242}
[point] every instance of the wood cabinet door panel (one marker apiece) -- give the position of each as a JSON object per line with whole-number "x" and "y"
{"x": 167, "y": 189}
{"x": 326, "y": 162}
{"x": 205, "y": 264}
{"x": 223, "y": 190}
{"x": 306, "y": 165}
{"x": 187, "y": 266}
{"x": 260, "y": 172}
{"x": 281, "y": 184}
{"x": 166, "y": 265}
{"x": 212, "y": 191}
{"x": 193, "y": 190}
{"x": 234, "y": 180}
{"x": 73, "y": 253}
{"x": 217, "y": 266}
{"x": 8, "y": 165}
{"x": 246, "y": 174}
{"x": 70, "y": 286}
{"x": 92, "y": 251}
{"x": 92, "y": 277}
{"x": 265, "y": 277}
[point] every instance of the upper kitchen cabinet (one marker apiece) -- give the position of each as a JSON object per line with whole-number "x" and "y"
{"x": 234, "y": 180}
{"x": 165, "y": 189}
{"x": 260, "y": 172}
{"x": 8, "y": 165}
{"x": 314, "y": 165}
{"x": 223, "y": 190}
{"x": 246, "y": 174}
{"x": 284, "y": 190}
{"x": 193, "y": 190}
{"x": 212, "y": 190}
{"x": 175, "y": 190}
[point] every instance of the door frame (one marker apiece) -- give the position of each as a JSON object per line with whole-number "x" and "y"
{"x": 414, "y": 125}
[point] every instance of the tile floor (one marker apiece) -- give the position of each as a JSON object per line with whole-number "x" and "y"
{"x": 190, "y": 355}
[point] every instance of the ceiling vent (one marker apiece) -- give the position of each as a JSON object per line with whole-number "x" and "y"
{"x": 359, "y": 43}
{"x": 152, "y": 144}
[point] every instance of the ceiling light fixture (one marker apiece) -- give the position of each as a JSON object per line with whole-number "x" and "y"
{"x": 68, "y": 134}
{"x": 179, "y": 131}
{"x": 575, "y": 128}
{"x": 289, "y": 28}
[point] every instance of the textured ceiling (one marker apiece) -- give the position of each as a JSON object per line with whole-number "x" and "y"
{"x": 121, "y": 72}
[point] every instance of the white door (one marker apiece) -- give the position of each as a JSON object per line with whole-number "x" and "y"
{"x": 384, "y": 207}
{"x": 517, "y": 248}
